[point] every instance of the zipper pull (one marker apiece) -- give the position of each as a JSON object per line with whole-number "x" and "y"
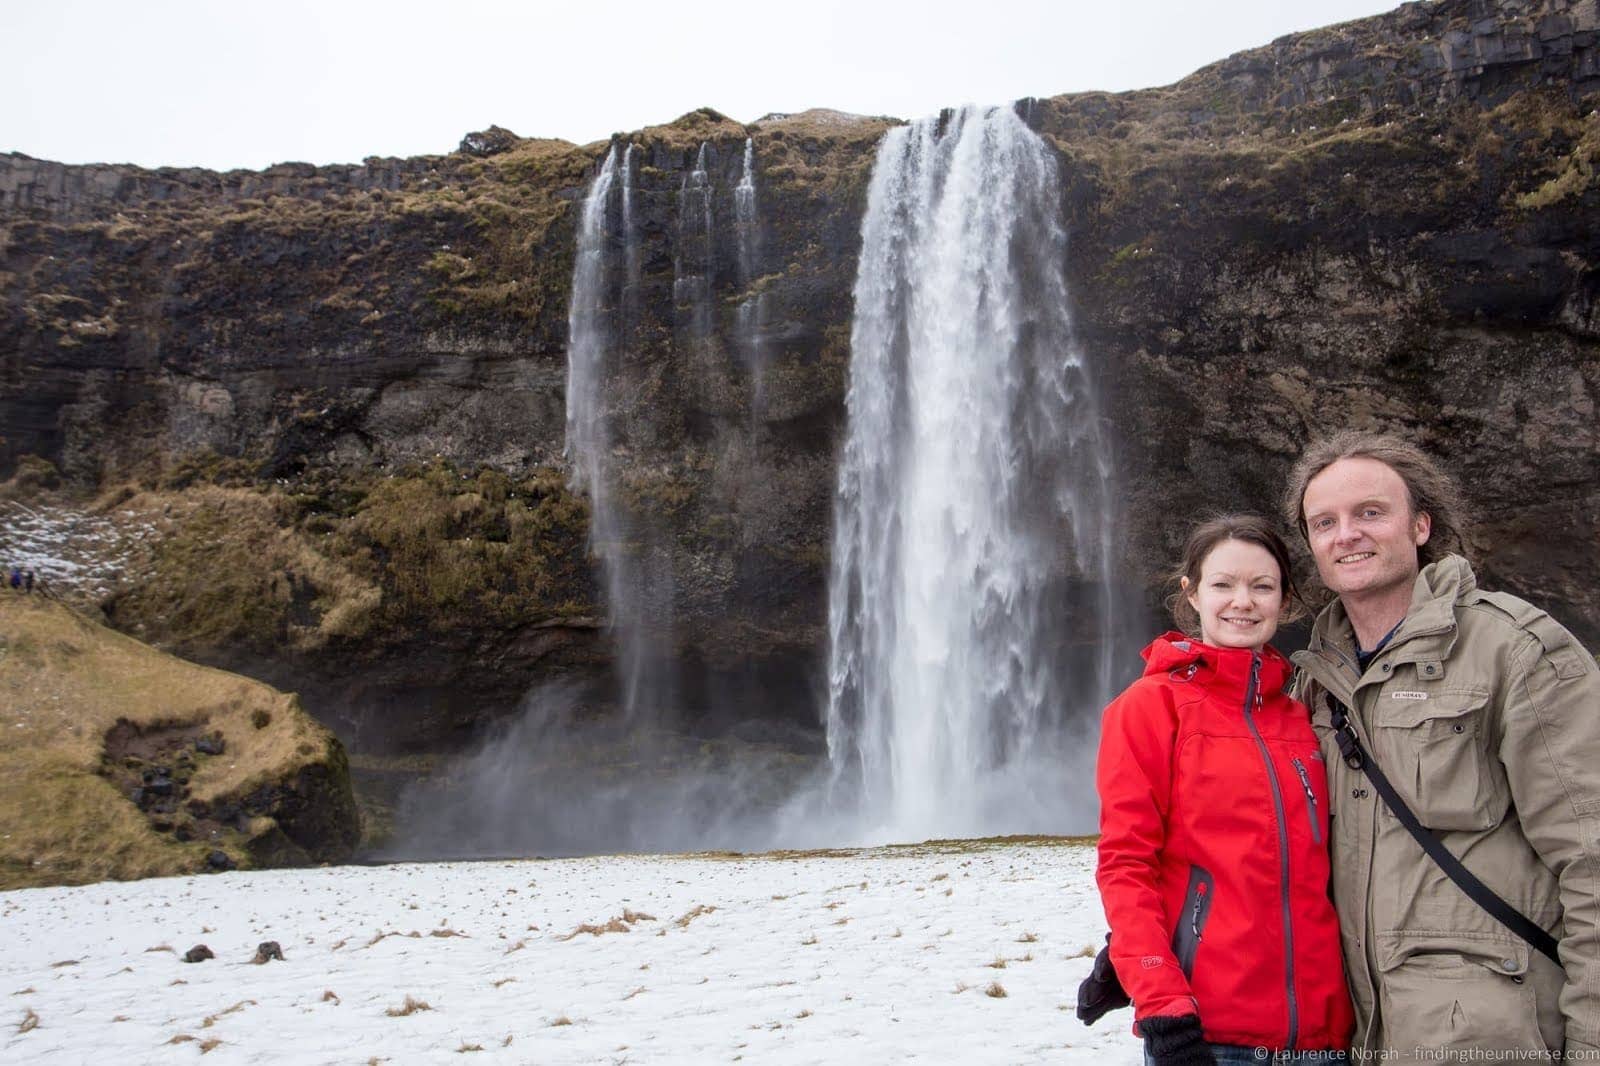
{"x": 1305, "y": 782}
{"x": 1194, "y": 912}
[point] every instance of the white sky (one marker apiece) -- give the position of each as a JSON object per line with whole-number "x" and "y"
{"x": 226, "y": 84}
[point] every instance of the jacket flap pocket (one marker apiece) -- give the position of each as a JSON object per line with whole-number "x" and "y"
{"x": 1400, "y": 708}
{"x": 1444, "y": 950}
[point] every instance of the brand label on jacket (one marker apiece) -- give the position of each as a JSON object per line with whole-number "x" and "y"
{"x": 1408, "y": 695}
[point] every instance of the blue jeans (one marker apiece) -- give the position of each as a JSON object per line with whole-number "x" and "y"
{"x": 1233, "y": 1055}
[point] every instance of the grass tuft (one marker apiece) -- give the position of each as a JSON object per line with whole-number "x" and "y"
{"x": 996, "y": 990}
{"x": 409, "y": 1007}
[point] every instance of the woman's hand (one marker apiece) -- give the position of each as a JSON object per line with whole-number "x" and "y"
{"x": 1176, "y": 1041}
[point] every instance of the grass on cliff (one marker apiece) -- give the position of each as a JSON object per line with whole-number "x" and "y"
{"x": 422, "y": 551}
{"x": 64, "y": 682}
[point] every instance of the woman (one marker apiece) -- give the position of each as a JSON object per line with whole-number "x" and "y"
{"x": 1214, "y": 825}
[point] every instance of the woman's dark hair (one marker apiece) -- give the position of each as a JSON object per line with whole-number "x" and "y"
{"x": 1249, "y": 528}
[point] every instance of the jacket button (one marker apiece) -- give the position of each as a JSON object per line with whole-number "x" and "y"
{"x": 1458, "y": 728}
{"x": 1510, "y": 964}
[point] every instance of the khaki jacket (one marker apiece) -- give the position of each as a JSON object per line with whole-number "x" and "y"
{"x": 1485, "y": 715}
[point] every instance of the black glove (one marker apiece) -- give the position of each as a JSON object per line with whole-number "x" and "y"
{"x": 1101, "y": 991}
{"x": 1176, "y": 1041}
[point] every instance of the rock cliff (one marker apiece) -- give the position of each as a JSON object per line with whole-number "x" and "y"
{"x": 339, "y": 391}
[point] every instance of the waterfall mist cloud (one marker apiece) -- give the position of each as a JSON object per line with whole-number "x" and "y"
{"x": 188, "y": 83}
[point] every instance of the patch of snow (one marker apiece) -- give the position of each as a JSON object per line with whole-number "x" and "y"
{"x": 877, "y": 956}
{"x": 72, "y": 551}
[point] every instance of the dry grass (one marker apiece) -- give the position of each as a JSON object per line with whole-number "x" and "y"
{"x": 999, "y": 963}
{"x": 239, "y": 1006}
{"x": 623, "y": 923}
{"x": 64, "y": 682}
{"x": 635, "y": 992}
{"x": 503, "y": 981}
{"x": 209, "y": 1045}
{"x": 808, "y": 941}
{"x": 693, "y": 913}
{"x": 408, "y": 1008}
{"x": 1088, "y": 952}
{"x": 30, "y": 1021}
{"x": 996, "y": 990}
{"x": 803, "y": 1014}
{"x": 560, "y": 1020}
{"x": 1027, "y": 938}
{"x": 468, "y": 1047}
{"x": 329, "y": 996}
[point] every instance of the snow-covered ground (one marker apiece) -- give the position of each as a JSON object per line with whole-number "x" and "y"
{"x": 73, "y": 551}
{"x": 967, "y": 953}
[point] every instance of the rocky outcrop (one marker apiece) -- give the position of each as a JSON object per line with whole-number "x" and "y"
{"x": 1385, "y": 223}
{"x": 124, "y": 762}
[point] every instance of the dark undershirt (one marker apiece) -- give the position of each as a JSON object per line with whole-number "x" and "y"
{"x": 1363, "y": 658}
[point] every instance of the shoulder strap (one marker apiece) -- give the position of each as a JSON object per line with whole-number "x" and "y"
{"x": 1481, "y": 894}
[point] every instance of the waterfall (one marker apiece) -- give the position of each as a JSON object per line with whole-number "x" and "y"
{"x": 750, "y": 316}
{"x": 635, "y": 564}
{"x": 970, "y": 613}
{"x": 588, "y": 438}
{"x": 694, "y": 265}
{"x": 630, "y": 229}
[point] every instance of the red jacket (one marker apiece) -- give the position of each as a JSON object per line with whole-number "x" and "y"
{"x": 1213, "y": 850}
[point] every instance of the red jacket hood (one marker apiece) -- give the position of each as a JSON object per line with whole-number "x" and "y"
{"x": 1229, "y": 666}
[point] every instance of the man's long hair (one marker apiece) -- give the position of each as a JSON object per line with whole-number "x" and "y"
{"x": 1431, "y": 491}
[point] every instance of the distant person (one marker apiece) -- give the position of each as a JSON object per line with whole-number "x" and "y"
{"x": 1480, "y": 715}
{"x": 1213, "y": 858}
{"x": 27, "y": 581}
{"x": 16, "y": 577}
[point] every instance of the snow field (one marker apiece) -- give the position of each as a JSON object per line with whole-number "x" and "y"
{"x": 883, "y": 955}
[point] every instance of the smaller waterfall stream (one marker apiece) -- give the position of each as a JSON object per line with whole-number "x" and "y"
{"x": 694, "y": 265}
{"x": 751, "y": 315}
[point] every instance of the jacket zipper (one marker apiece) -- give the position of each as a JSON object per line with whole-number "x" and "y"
{"x": 1311, "y": 801}
{"x": 1252, "y": 697}
{"x": 1186, "y": 939}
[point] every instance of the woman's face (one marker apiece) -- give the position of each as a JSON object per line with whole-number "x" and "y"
{"x": 1239, "y": 595}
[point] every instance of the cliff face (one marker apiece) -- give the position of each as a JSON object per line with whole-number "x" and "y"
{"x": 1387, "y": 223}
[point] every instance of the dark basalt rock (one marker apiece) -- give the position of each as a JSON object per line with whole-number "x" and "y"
{"x": 198, "y": 953}
{"x": 492, "y": 141}
{"x": 219, "y": 861}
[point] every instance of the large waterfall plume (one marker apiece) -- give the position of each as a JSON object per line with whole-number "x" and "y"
{"x": 970, "y": 614}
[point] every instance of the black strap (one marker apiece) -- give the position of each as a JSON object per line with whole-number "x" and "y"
{"x": 1481, "y": 894}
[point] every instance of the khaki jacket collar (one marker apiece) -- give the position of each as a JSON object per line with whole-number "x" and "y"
{"x": 1426, "y": 634}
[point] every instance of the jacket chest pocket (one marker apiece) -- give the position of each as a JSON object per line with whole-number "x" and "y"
{"x": 1435, "y": 746}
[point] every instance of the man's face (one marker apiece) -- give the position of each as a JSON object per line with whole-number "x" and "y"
{"x": 1362, "y": 532}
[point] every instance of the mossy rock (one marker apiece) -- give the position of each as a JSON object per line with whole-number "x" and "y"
{"x": 73, "y": 690}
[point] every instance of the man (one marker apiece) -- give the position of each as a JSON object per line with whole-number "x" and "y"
{"x": 1484, "y": 714}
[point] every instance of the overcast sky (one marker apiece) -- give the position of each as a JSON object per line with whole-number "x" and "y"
{"x": 225, "y": 84}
